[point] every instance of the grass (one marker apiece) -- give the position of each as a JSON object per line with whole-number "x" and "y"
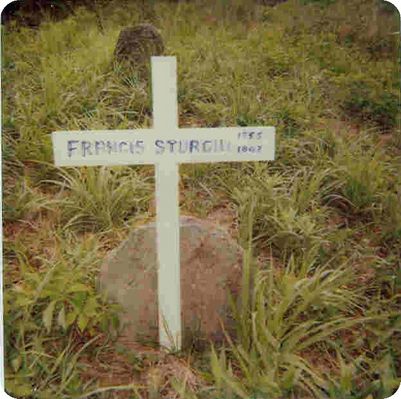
{"x": 101, "y": 197}
{"x": 321, "y": 225}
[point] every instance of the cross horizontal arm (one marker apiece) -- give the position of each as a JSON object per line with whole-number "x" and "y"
{"x": 148, "y": 146}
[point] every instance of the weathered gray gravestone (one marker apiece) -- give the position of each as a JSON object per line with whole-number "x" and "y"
{"x": 135, "y": 45}
{"x": 210, "y": 272}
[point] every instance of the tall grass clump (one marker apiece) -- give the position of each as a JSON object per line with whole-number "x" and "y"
{"x": 297, "y": 316}
{"x": 22, "y": 201}
{"x": 292, "y": 311}
{"x": 288, "y": 213}
{"x": 360, "y": 174}
{"x": 392, "y": 215}
{"x": 101, "y": 198}
{"x": 53, "y": 303}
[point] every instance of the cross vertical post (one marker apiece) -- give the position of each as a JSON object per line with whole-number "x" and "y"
{"x": 165, "y": 122}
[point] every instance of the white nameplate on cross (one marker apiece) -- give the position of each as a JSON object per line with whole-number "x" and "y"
{"x": 165, "y": 146}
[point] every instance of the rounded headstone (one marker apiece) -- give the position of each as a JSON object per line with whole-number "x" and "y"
{"x": 211, "y": 268}
{"x": 137, "y": 44}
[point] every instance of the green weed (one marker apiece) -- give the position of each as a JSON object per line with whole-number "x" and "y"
{"x": 267, "y": 355}
{"x": 53, "y": 304}
{"x": 102, "y": 197}
{"x": 22, "y": 202}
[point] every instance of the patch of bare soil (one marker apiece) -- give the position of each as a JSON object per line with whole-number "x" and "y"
{"x": 154, "y": 373}
{"x": 110, "y": 369}
{"x": 227, "y": 217}
{"x": 169, "y": 375}
{"x": 339, "y": 126}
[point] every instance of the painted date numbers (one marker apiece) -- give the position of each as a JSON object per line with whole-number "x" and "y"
{"x": 252, "y": 148}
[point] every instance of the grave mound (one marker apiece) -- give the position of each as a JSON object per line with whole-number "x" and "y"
{"x": 211, "y": 266}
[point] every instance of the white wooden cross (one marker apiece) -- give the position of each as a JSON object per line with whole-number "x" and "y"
{"x": 165, "y": 146}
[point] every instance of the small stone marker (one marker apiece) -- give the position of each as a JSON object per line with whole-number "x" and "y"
{"x": 210, "y": 271}
{"x": 166, "y": 145}
{"x": 137, "y": 44}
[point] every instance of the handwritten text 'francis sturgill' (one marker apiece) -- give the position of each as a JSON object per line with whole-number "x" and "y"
{"x": 247, "y": 142}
